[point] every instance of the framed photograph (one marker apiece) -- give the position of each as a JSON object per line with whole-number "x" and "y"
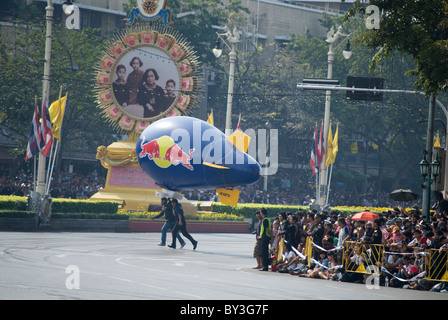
{"x": 145, "y": 82}
{"x": 148, "y": 73}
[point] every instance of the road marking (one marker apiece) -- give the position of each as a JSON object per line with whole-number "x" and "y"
{"x": 188, "y": 294}
{"x": 122, "y": 279}
{"x": 155, "y": 287}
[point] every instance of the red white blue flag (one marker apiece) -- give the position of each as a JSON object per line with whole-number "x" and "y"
{"x": 47, "y": 129}
{"x": 35, "y": 141}
{"x": 314, "y": 159}
{"x": 320, "y": 149}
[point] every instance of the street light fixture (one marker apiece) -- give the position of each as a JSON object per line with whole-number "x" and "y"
{"x": 332, "y": 39}
{"x": 435, "y": 168}
{"x": 424, "y": 167}
{"x": 232, "y": 37}
{"x": 347, "y": 53}
{"x": 429, "y": 173}
{"x": 217, "y": 50}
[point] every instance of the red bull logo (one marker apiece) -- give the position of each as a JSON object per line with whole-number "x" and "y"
{"x": 165, "y": 152}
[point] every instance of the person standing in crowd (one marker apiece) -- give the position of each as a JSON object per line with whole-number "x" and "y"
{"x": 374, "y": 236}
{"x": 265, "y": 236}
{"x": 317, "y": 233}
{"x": 181, "y": 225}
{"x": 167, "y": 211}
{"x": 343, "y": 235}
{"x": 293, "y": 232}
{"x": 257, "y": 247}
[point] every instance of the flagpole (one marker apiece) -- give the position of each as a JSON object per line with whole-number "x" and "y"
{"x": 48, "y": 169}
{"x": 317, "y": 186}
{"x": 328, "y": 184}
{"x": 51, "y": 167}
{"x": 41, "y": 176}
{"x": 46, "y": 89}
{"x": 53, "y": 156}
{"x": 34, "y": 173}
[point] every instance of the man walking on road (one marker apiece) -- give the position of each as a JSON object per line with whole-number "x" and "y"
{"x": 180, "y": 225}
{"x": 167, "y": 210}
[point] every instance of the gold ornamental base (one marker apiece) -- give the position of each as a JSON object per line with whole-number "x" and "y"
{"x": 126, "y": 182}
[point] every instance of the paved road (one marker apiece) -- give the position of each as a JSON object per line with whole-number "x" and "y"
{"x": 132, "y": 266}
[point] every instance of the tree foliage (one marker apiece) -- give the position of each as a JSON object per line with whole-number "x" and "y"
{"x": 73, "y": 57}
{"x": 266, "y": 95}
{"x": 415, "y": 28}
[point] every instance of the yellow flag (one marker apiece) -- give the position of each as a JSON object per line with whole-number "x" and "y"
{"x": 228, "y": 196}
{"x": 240, "y": 140}
{"x": 332, "y": 146}
{"x": 437, "y": 140}
{"x": 330, "y": 154}
{"x": 354, "y": 147}
{"x": 335, "y": 141}
{"x": 56, "y": 111}
{"x": 210, "y": 118}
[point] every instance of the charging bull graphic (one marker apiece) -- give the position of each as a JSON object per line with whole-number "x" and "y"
{"x": 164, "y": 152}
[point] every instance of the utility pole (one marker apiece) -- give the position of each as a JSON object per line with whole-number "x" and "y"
{"x": 45, "y": 91}
{"x": 429, "y": 144}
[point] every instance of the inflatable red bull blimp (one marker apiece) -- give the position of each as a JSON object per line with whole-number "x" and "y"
{"x": 185, "y": 153}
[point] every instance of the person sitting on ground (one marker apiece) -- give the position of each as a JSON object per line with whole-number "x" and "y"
{"x": 320, "y": 267}
{"x": 289, "y": 261}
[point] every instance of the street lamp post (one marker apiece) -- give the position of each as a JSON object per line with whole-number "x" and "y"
{"x": 332, "y": 38}
{"x": 429, "y": 173}
{"x": 45, "y": 91}
{"x": 233, "y": 38}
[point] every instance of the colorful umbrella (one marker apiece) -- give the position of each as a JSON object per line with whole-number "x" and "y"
{"x": 365, "y": 216}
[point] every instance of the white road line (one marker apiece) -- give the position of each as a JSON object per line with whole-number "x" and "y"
{"x": 189, "y": 295}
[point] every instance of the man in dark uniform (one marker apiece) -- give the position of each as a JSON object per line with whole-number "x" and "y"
{"x": 265, "y": 236}
{"x": 374, "y": 235}
{"x": 317, "y": 233}
{"x": 167, "y": 211}
{"x": 181, "y": 225}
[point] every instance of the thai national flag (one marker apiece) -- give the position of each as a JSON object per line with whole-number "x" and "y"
{"x": 314, "y": 156}
{"x": 35, "y": 141}
{"x": 47, "y": 129}
{"x": 320, "y": 149}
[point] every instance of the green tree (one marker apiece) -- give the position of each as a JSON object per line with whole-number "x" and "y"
{"x": 74, "y": 54}
{"x": 415, "y": 28}
{"x": 265, "y": 93}
{"x": 199, "y": 28}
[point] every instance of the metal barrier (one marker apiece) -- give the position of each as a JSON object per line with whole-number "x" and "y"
{"x": 437, "y": 265}
{"x": 362, "y": 258}
{"x": 368, "y": 259}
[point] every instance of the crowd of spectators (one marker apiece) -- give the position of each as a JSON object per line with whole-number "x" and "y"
{"x": 71, "y": 186}
{"x": 403, "y": 235}
{"x": 255, "y": 194}
{"x": 280, "y": 191}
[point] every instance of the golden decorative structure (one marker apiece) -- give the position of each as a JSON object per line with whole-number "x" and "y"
{"x": 126, "y": 181}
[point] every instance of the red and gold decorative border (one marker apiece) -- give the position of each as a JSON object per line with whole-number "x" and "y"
{"x": 172, "y": 46}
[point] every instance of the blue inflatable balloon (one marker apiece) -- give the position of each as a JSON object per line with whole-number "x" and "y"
{"x": 185, "y": 153}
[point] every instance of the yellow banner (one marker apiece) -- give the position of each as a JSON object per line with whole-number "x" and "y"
{"x": 228, "y": 196}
